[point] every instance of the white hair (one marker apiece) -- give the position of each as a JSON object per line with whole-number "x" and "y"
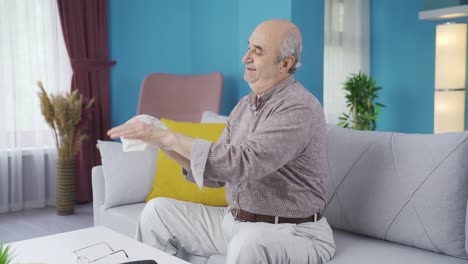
{"x": 292, "y": 46}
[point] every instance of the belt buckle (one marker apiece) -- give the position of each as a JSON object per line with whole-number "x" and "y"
{"x": 315, "y": 217}
{"x": 236, "y": 214}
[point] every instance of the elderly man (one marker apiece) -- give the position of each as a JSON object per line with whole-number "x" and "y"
{"x": 271, "y": 158}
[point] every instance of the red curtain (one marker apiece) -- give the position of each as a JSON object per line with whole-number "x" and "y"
{"x": 85, "y": 29}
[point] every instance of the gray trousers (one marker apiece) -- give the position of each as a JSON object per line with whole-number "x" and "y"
{"x": 168, "y": 225}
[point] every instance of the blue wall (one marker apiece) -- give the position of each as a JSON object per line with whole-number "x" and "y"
{"x": 309, "y": 17}
{"x": 214, "y": 36}
{"x": 201, "y": 36}
{"x": 145, "y": 38}
{"x": 402, "y": 62}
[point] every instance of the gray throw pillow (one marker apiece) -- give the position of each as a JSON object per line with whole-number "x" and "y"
{"x": 410, "y": 189}
{"x": 128, "y": 175}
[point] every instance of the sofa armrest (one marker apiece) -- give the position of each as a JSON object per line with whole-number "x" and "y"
{"x": 98, "y": 191}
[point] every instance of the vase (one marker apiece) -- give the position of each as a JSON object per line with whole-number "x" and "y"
{"x": 65, "y": 186}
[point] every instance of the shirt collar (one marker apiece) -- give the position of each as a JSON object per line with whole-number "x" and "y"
{"x": 267, "y": 95}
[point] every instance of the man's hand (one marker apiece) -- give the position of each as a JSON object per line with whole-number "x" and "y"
{"x": 166, "y": 139}
{"x": 136, "y": 129}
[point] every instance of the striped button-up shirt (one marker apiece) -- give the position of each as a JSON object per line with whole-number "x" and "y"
{"x": 271, "y": 156}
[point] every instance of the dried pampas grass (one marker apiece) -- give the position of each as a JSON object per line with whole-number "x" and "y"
{"x": 67, "y": 114}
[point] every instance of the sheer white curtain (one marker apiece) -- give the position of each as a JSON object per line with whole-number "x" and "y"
{"x": 32, "y": 48}
{"x": 346, "y": 50}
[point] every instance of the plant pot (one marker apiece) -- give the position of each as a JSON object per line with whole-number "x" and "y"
{"x": 65, "y": 186}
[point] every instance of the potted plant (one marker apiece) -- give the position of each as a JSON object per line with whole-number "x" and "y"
{"x": 6, "y": 254}
{"x": 67, "y": 114}
{"x": 361, "y": 94}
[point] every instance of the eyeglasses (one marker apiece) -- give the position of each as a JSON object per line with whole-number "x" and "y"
{"x": 99, "y": 253}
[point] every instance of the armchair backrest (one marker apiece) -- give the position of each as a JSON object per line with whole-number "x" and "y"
{"x": 180, "y": 97}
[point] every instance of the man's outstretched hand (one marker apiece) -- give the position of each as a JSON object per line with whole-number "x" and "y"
{"x": 136, "y": 129}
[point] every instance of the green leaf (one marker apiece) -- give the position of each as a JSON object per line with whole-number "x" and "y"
{"x": 361, "y": 91}
{"x": 6, "y": 254}
{"x": 377, "y": 89}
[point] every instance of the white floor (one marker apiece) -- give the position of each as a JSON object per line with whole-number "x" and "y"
{"x": 33, "y": 223}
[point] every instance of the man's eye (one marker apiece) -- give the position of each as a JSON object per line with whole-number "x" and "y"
{"x": 256, "y": 51}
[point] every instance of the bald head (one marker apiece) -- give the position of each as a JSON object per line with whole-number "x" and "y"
{"x": 274, "y": 51}
{"x": 288, "y": 37}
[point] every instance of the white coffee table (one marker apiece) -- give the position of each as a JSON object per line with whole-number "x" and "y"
{"x": 58, "y": 249}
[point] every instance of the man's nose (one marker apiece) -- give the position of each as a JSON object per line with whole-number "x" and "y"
{"x": 247, "y": 57}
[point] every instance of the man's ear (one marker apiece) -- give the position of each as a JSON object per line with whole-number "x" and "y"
{"x": 287, "y": 64}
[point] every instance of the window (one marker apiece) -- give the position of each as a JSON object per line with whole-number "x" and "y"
{"x": 32, "y": 48}
{"x": 346, "y": 51}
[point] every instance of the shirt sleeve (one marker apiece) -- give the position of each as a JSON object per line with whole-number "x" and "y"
{"x": 198, "y": 159}
{"x": 280, "y": 138}
{"x": 206, "y": 182}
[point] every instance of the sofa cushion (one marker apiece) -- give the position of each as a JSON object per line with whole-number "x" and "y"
{"x": 352, "y": 248}
{"x": 169, "y": 180}
{"x": 128, "y": 175}
{"x": 123, "y": 219}
{"x": 406, "y": 188}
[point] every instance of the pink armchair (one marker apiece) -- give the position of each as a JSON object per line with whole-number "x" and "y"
{"x": 180, "y": 97}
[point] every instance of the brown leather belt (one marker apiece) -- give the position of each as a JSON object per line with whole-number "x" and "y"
{"x": 245, "y": 216}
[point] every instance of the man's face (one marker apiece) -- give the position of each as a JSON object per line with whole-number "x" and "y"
{"x": 261, "y": 59}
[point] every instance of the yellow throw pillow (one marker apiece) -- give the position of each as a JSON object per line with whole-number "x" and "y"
{"x": 169, "y": 180}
